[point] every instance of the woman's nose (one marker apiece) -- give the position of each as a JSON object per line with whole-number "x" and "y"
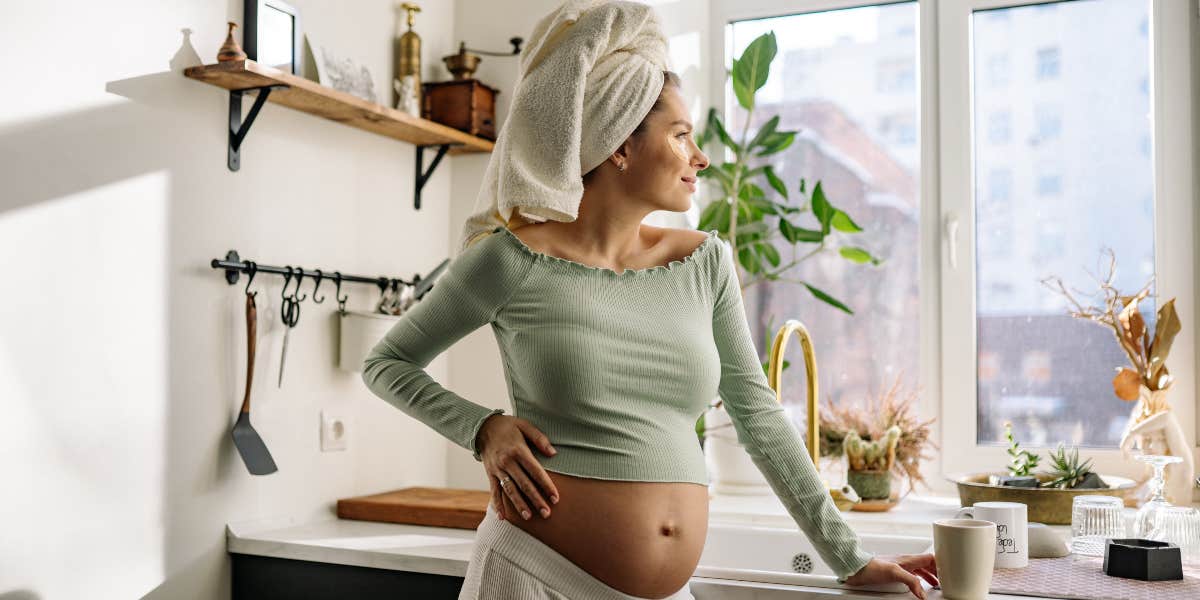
{"x": 702, "y": 160}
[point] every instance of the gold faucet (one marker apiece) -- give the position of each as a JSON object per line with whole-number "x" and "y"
{"x": 845, "y": 497}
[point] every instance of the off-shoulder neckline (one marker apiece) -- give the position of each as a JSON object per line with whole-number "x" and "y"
{"x": 712, "y": 235}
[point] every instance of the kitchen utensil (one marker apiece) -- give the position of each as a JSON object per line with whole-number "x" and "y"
{"x": 435, "y": 507}
{"x": 1012, "y": 530}
{"x": 249, "y": 444}
{"x": 290, "y": 312}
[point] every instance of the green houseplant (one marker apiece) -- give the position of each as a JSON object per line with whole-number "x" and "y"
{"x": 753, "y": 221}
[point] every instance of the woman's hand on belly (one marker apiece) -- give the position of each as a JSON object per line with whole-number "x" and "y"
{"x": 513, "y": 472}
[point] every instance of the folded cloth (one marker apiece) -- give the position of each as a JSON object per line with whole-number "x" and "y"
{"x": 588, "y": 76}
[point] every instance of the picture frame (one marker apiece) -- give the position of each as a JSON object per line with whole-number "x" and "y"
{"x": 273, "y": 36}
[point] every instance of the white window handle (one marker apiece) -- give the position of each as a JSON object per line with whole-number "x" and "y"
{"x": 952, "y": 238}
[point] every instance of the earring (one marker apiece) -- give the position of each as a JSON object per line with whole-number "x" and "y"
{"x": 621, "y": 167}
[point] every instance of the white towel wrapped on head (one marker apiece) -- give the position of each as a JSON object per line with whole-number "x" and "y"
{"x": 590, "y": 73}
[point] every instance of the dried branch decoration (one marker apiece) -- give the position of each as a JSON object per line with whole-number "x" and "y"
{"x": 1119, "y": 313}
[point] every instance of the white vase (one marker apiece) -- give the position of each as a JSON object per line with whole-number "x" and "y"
{"x": 1159, "y": 432}
{"x": 731, "y": 471}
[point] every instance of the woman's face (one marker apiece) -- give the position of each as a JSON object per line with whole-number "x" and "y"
{"x": 663, "y": 160}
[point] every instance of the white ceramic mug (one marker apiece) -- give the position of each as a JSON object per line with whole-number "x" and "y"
{"x": 1012, "y": 530}
{"x": 965, "y": 553}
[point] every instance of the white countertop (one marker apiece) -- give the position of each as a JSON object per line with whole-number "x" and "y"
{"x": 446, "y": 551}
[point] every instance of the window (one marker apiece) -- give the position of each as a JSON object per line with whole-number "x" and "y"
{"x": 1049, "y": 182}
{"x": 999, "y": 127}
{"x": 896, "y": 75}
{"x": 999, "y": 190}
{"x": 900, "y": 129}
{"x": 1055, "y": 392}
{"x": 1047, "y": 63}
{"x": 1049, "y": 122}
{"x": 863, "y": 149}
{"x": 1053, "y": 142}
{"x": 997, "y": 70}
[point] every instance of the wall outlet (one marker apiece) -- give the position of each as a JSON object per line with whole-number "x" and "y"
{"x": 334, "y": 431}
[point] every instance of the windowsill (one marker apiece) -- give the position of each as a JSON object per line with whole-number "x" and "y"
{"x": 913, "y": 516}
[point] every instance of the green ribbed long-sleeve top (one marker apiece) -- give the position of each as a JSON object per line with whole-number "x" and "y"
{"x": 615, "y": 368}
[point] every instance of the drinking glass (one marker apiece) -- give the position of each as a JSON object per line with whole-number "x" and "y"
{"x": 1143, "y": 523}
{"x": 1179, "y": 525}
{"x": 1093, "y": 520}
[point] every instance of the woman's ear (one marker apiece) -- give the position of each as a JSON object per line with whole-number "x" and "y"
{"x": 621, "y": 155}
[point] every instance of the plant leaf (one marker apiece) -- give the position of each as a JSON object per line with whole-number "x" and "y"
{"x": 714, "y": 121}
{"x": 1132, "y": 328}
{"x": 750, "y": 71}
{"x": 826, "y": 298}
{"x": 1126, "y": 384}
{"x": 715, "y": 216}
{"x": 1165, "y": 330}
{"x": 843, "y": 222}
{"x": 775, "y": 181}
{"x": 777, "y": 142}
{"x": 764, "y": 132}
{"x": 822, "y": 209}
{"x": 857, "y": 255}
{"x": 796, "y": 234}
{"x": 769, "y": 251}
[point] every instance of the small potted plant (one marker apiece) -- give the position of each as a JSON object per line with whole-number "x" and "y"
{"x": 870, "y": 463}
{"x": 863, "y": 434}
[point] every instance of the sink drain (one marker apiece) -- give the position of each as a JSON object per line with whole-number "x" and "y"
{"x": 802, "y": 563}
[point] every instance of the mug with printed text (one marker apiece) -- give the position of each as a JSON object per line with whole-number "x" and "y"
{"x": 1012, "y": 530}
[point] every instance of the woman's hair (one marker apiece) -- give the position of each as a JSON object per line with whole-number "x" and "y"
{"x": 670, "y": 78}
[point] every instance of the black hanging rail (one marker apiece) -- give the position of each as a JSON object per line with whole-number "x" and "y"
{"x": 234, "y": 266}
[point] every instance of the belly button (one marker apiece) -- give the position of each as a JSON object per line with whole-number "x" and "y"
{"x": 668, "y": 529}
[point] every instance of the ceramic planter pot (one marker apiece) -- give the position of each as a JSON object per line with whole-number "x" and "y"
{"x": 360, "y": 331}
{"x": 871, "y": 485}
{"x": 731, "y": 471}
{"x": 1051, "y": 506}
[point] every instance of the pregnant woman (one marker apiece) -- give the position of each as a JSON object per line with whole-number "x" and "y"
{"x": 614, "y": 335}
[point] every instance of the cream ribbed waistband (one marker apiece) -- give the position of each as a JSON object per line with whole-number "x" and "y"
{"x": 547, "y": 565}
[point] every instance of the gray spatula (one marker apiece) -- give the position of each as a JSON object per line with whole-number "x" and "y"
{"x": 254, "y": 452}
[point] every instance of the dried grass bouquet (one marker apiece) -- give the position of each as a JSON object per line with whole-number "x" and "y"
{"x": 893, "y": 408}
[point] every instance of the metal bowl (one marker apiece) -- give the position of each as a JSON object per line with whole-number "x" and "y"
{"x": 1051, "y": 506}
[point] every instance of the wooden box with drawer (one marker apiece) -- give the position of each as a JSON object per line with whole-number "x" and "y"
{"x": 464, "y": 104}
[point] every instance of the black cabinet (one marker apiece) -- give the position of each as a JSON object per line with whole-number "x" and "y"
{"x": 269, "y": 578}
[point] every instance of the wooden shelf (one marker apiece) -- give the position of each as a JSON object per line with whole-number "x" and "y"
{"x": 310, "y": 97}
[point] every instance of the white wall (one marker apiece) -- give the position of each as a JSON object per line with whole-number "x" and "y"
{"x": 122, "y": 353}
{"x": 475, "y": 368}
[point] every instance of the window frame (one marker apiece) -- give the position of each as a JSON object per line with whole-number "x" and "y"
{"x": 947, "y": 358}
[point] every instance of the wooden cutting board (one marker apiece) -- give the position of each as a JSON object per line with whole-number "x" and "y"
{"x": 437, "y": 507}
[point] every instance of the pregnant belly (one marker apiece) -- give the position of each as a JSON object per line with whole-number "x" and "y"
{"x": 641, "y": 538}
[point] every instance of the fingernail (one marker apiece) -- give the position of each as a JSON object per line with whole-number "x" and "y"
{"x": 545, "y": 513}
{"x": 554, "y": 499}
{"x": 525, "y": 514}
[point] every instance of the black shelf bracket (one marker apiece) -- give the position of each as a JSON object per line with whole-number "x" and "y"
{"x": 237, "y": 127}
{"x": 424, "y": 175}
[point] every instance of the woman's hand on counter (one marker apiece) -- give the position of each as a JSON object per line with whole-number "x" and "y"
{"x": 908, "y": 569}
{"x": 505, "y": 447}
